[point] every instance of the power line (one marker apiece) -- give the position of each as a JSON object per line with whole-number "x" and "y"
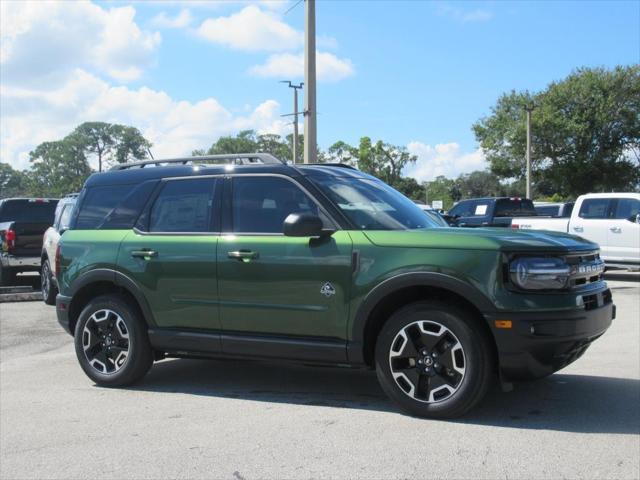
{"x": 294, "y": 6}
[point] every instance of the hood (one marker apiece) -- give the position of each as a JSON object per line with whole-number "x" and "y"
{"x": 503, "y": 239}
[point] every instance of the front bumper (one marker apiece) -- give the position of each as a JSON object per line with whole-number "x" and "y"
{"x": 11, "y": 261}
{"x": 62, "y": 311}
{"x": 541, "y": 343}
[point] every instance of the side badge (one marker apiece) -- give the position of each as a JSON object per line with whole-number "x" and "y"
{"x": 327, "y": 290}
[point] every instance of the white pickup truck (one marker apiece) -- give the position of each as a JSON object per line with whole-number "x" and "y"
{"x": 611, "y": 220}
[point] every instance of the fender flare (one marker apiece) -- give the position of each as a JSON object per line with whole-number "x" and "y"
{"x": 119, "y": 279}
{"x": 405, "y": 280}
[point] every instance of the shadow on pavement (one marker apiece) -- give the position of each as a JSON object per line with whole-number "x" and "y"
{"x": 571, "y": 403}
{"x": 622, "y": 276}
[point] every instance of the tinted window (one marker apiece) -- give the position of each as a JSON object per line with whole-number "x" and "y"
{"x": 183, "y": 206}
{"x": 548, "y": 210}
{"x": 261, "y": 204}
{"x": 594, "y": 208}
{"x": 462, "y": 209}
{"x": 124, "y": 215}
{"x": 28, "y": 211}
{"x": 513, "y": 207}
{"x": 627, "y": 208}
{"x": 373, "y": 205}
{"x": 98, "y": 202}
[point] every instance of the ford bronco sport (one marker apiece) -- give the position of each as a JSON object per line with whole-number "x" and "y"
{"x": 316, "y": 264}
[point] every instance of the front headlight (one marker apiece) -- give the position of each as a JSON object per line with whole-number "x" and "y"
{"x": 539, "y": 273}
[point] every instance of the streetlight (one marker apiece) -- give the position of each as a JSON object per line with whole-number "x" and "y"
{"x": 295, "y": 117}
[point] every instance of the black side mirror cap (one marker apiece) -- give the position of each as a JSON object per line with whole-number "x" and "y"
{"x": 304, "y": 225}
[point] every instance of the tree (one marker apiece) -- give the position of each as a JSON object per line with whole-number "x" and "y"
{"x": 585, "y": 133}
{"x": 243, "y": 142}
{"x": 111, "y": 143}
{"x": 479, "y": 184}
{"x": 58, "y": 168}
{"x": 442, "y": 188}
{"x": 13, "y": 183}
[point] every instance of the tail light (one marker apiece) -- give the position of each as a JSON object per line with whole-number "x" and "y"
{"x": 57, "y": 271}
{"x": 515, "y": 226}
{"x": 10, "y": 239}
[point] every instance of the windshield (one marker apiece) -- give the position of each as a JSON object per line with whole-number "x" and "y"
{"x": 373, "y": 205}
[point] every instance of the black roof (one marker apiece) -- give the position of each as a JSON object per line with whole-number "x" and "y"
{"x": 139, "y": 172}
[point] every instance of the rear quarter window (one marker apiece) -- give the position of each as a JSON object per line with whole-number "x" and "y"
{"x": 112, "y": 207}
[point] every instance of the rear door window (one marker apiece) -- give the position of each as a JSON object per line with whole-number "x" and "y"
{"x": 184, "y": 206}
{"x": 627, "y": 208}
{"x": 595, "y": 208}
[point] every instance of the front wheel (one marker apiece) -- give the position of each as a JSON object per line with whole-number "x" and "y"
{"x": 48, "y": 287}
{"x": 433, "y": 360}
{"x": 111, "y": 342}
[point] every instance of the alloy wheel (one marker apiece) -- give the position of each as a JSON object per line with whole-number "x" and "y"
{"x": 427, "y": 361}
{"x": 45, "y": 279}
{"x": 105, "y": 341}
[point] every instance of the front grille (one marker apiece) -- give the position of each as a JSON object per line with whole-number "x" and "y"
{"x": 586, "y": 268}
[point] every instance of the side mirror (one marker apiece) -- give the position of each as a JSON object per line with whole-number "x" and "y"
{"x": 304, "y": 225}
{"x": 634, "y": 218}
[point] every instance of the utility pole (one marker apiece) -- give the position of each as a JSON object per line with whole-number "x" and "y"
{"x": 529, "y": 108}
{"x": 310, "y": 131}
{"x": 295, "y": 118}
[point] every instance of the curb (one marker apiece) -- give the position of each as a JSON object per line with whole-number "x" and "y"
{"x": 20, "y": 297}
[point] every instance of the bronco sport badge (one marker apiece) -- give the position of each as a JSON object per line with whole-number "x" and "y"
{"x": 327, "y": 290}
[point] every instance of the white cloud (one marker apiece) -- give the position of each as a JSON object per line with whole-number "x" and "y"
{"x": 329, "y": 68}
{"x": 43, "y": 41}
{"x": 175, "y": 127}
{"x": 463, "y": 15}
{"x": 442, "y": 159}
{"x": 181, "y": 20}
{"x": 251, "y": 29}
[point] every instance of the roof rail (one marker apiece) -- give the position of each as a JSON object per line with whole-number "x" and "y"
{"x": 327, "y": 164}
{"x": 224, "y": 159}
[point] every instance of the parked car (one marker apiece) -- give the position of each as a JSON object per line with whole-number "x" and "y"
{"x": 434, "y": 214}
{"x": 48, "y": 267}
{"x": 554, "y": 209}
{"x": 609, "y": 219}
{"x": 316, "y": 264}
{"x": 489, "y": 212}
{"x": 22, "y": 224}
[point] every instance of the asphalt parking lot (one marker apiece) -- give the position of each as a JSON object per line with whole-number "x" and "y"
{"x": 245, "y": 420}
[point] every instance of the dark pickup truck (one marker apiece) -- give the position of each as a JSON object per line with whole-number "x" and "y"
{"x": 23, "y": 222}
{"x": 489, "y": 212}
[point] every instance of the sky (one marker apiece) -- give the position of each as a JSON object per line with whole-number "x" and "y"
{"x": 410, "y": 73}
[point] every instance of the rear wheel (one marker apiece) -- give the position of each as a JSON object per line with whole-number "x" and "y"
{"x": 433, "y": 360}
{"x": 111, "y": 342}
{"x": 48, "y": 287}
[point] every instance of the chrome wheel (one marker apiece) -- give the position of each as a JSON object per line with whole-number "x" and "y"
{"x": 105, "y": 341}
{"x": 427, "y": 361}
{"x": 45, "y": 279}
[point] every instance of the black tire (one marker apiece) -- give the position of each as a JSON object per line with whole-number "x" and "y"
{"x": 7, "y": 276}
{"x": 139, "y": 356}
{"x": 431, "y": 385}
{"x": 47, "y": 284}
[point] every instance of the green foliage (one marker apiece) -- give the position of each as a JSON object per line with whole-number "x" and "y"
{"x": 58, "y": 168}
{"x": 111, "y": 143}
{"x": 585, "y": 133}
{"x": 13, "y": 183}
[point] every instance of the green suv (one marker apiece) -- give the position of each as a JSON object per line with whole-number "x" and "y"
{"x": 243, "y": 256}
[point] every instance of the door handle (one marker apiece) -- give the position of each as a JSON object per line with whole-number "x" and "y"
{"x": 578, "y": 229}
{"x": 243, "y": 255}
{"x": 616, "y": 229}
{"x": 146, "y": 254}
